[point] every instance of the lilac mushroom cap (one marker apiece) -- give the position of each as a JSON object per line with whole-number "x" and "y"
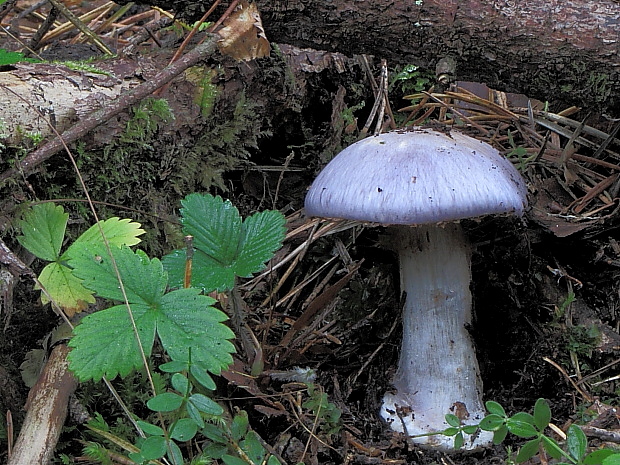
{"x": 417, "y": 177}
{"x": 430, "y": 180}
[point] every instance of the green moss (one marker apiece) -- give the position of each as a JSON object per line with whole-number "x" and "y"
{"x": 207, "y": 92}
{"x": 598, "y": 84}
{"x": 582, "y": 340}
{"x": 147, "y": 117}
{"x": 84, "y": 66}
{"x": 222, "y": 146}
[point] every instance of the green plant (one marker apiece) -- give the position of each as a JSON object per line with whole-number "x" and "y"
{"x": 190, "y": 330}
{"x": 206, "y": 91}
{"x": 520, "y": 153}
{"x": 581, "y": 340}
{"x": 178, "y": 317}
{"x": 458, "y": 430}
{"x": 226, "y": 246}
{"x": 410, "y": 79}
{"x": 348, "y": 114}
{"x": 43, "y": 233}
{"x": 532, "y": 427}
{"x": 326, "y": 413}
{"x": 236, "y": 444}
{"x": 565, "y": 305}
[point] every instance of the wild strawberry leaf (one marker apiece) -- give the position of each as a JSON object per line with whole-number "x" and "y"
{"x": 117, "y": 232}
{"x": 66, "y": 290}
{"x": 43, "y": 230}
{"x": 144, "y": 280}
{"x": 106, "y": 344}
{"x": 224, "y": 245}
{"x": 189, "y": 320}
{"x": 262, "y": 235}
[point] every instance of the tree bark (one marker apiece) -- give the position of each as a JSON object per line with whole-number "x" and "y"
{"x": 558, "y": 50}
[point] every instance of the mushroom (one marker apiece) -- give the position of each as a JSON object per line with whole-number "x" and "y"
{"x": 430, "y": 180}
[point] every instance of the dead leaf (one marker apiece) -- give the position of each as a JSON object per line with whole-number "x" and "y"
{"x": 243, "y": 36}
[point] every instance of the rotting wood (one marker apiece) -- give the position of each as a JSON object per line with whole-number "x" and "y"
{"x": 120, "y": 104}
{"x": 47, "y": 410}
{"x": 566, "y": 51}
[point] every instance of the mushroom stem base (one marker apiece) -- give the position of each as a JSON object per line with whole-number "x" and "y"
{"x": 438, "y": 371}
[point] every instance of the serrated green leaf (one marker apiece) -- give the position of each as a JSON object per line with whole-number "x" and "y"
{"x": 183, "y": 319}
{"x": 188, "y": 320}
{"x": 225, "y": 246}
{"x": 183, "y": 430}
{"x": 104, "y": 343}
{"x": 43, "y": 230}
{"x": 495, "y": 408}
{"x": 64, "y": 288}
{"x": 166, "y": 402}
{"x": 207, "y": 273}
{"x": 542, "y": 414}
{"x": 144, "y": 280}
{"x": 262, "y": 236}
{"x": 215, "y": 224}
{"x": 117, "y": 232}
{"x": 528, "y": 450}
{"x": 576, "y": 442}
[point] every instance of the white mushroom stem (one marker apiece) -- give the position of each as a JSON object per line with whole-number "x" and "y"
{"x": 437, "y": 372}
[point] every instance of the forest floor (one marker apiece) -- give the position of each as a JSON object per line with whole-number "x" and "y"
{"x": 325, "y": 323}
